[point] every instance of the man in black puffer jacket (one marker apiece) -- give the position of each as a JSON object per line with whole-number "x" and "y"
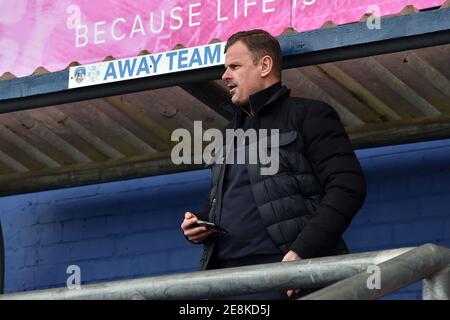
{"x": 303, "y": 209}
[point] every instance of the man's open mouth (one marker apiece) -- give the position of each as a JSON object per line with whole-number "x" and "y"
{"x": 232, "y": 88}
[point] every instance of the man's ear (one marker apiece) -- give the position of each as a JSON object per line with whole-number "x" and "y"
{"x": 266, "y": 65}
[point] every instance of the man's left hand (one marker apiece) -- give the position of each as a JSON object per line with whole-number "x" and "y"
{"x": 291, "y": 256}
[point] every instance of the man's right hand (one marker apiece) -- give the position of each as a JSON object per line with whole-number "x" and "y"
{"x": 194, "y": 234}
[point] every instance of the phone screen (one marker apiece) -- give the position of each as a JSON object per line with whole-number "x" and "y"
{"x": 210, "y": 225}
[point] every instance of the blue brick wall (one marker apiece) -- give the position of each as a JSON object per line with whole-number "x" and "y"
{"x": 131, "y": 229}
{"x": 111, "y": 231}
{"x": 407, "y": 202}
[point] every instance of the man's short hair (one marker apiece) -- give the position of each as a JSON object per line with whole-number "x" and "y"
{"x": 260, "y": 43}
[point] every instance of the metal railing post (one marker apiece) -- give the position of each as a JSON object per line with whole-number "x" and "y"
{"x": 437, "y": 287}
{"x": 396, "y": 273}
{"x": 308, "y": 273}
{"x": 395, "y": 269}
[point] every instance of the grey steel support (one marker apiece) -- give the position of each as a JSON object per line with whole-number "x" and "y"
{"x": 399, "y": 272}
{"x": 317, "y": 272}
{"x": 437, "y": 287}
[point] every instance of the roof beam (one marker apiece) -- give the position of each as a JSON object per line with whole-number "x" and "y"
{"x": 435, "y": 77}
{"x": 83, "y": 133}
{"x": 398, "y": 132}
{"x": 34, "y": 153}
{"x": 91, "y": 173}
{"x": 371, "y": 100}
{"x": 211, "y": 94}
{"x": 12, "y": 163}
{"x": 97, "y": 117}
{"x": 400, "y": 87}
{"x": 162, "y": 134}
{"x": 37, "y": 129}
{"x": 347, "y": 117}
{"x": 363, "y": 136}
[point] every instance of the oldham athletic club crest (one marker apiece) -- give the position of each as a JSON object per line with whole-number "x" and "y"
{"x": 80, "y": 74}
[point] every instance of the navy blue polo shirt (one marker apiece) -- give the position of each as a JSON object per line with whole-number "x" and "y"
{"x": 239, "y": 216}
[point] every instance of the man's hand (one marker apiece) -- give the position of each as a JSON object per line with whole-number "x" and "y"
{"x": 194, "y": 234}
{"x": 291, "y": 256}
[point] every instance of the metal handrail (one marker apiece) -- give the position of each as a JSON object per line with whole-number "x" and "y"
{"x": 308, "y": 273}
{"x": 428, "y": 262}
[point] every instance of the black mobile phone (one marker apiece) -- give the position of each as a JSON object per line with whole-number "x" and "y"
{"x": 210, "y": 225}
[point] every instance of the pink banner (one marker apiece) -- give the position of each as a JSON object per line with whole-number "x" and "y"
{"x": 53, "y": 34}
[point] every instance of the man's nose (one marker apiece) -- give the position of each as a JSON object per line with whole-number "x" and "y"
{"x": 225, "y": 75}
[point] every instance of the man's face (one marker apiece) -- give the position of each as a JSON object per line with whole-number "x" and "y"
{"x": 242, "y": 76}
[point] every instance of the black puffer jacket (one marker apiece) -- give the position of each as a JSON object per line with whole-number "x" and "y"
{"x": 319, "y": 186}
